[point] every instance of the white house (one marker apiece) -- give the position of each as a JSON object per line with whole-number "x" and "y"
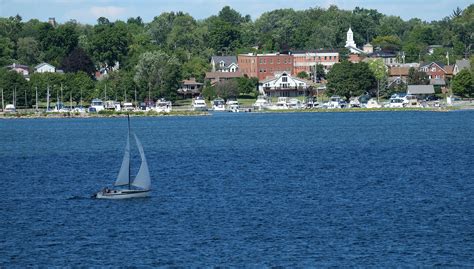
{"x": 224, "y": 64}
{"x": 45, "y": 68}
{"x": 285, "y": 85}
{"x": 460, "y": 65}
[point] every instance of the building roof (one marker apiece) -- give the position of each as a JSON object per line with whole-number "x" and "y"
{"x": 420, "y": 89}
{"x": 449, "y": 69}
{"x": 43, "y": 64}
{"x": 314, "y": 51}
{"x": 398, "y": 71}
{"x": 463, "y": 64}
{"x": 15, "y": 65}
{"x": 228, "y": 60}
{"x": 224, "y": 75}
{"x": 277, "y": 75}
{"x": 381, "y": 54}
{"x": 440, "y": 64}
{"x": 191, "y": 81}
{"x": 437, "y": 81}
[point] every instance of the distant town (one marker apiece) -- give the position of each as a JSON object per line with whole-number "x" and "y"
{"x": 230, "y": 63}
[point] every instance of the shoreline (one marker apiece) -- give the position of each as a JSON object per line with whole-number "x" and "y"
{"x": 53, "y": 115}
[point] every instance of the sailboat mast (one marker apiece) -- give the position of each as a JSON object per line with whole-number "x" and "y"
{"x": 129, "y": 177}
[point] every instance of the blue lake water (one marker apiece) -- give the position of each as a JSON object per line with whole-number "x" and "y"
{"x": 243, "y": 189}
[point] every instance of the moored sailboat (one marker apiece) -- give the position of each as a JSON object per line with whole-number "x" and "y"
{"x": 139, "y": 187}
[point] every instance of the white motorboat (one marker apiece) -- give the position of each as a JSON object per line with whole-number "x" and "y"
{"x": 281, "y": 104}
{"x": 10, "y": 108}
{"x": 139, "y": 187}
{"x": 218, "y": 104}
{"x": 233, "y": 106}
{"x": 128, "y": 107}
{"x": 97, "y": 104}
{"x": 261, "y": 103}
{"x": 294, "y": 103}
{"x": 163, "y": 106}
{"x": 199, "y": 104}
{"x": 372, "y": 103}
{"x": 410, "y": 101}
{"x": 334, "y": 102}
{"x": 395, "y": 102}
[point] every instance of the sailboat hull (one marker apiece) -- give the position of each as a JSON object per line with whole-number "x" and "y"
{"x": 122, "y": 194}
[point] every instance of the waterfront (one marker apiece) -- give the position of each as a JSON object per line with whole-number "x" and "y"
{"x": 243, "y": 189}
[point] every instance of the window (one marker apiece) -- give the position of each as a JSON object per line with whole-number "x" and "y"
{"x": 284, "y": 79}
{"x": 278, "y": 61}
{"x": 433, "y": 69}
{"x": 271, "y": 61}
{"x": 222, "y": 63}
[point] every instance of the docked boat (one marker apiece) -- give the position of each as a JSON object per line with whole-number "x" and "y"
{"x": 199, "y": 104}
{"x": 128, "y": 107}
{"x": 335, "y": 102}
{"x": 97, "y": 105}
{"x": 139, "y": 187}
{"x": 10, "y": 108}
{"x": 294, "y": 103}
{"x": 163, "y": 106}
{"x": 395, "y": 102}
{"x": 261, "y": 103}
{"x": 233, "y": 106}
{"x": 218, "y": 104}
{"x": 372, "y": 103}
{"x": 281, "y": 104}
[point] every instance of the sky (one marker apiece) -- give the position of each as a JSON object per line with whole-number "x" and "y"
{"x": 87, "y": 11}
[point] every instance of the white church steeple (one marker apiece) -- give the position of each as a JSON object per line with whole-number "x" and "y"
{"x": 350, "y": 39}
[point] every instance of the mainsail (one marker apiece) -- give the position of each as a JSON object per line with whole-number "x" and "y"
{"x": 123, "y": 177}
{"x": 142, "y": 180}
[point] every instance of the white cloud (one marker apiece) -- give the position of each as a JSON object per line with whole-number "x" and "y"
{"x": 110, "y": 12}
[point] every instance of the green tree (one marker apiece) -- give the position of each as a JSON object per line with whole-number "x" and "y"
{"x": 158, "y": 74}
{"x": 78, "y": 60}
{"x": 247, "y": 85}
{"x": 109, "y": 43}
{"x": 227, "y": 89}
{"x": 196, "y": 67}
{"x": 209, "y": 91}
{"x": 27, "y": 51}
{"x": 380, "y": 71}
{"x": 388, "y": 43}
{"x": 6, "y": 51}
{"x": 79, "y": 85}
{"x": 12, "y": 82}
{"x": 416, "y": 77}
{"x": 303, "y": 74}
{"x": 320, "y": 73}
{"x": 463, "y": 83}
{"x": 350, "y": 79}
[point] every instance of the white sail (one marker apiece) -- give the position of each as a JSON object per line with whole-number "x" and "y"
{"x": 142, "y": 180}
{"x": 123, "y": 177}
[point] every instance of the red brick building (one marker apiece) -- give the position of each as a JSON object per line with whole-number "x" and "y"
{"x": 265, "y": 65}
{"x": 304, "y": 61}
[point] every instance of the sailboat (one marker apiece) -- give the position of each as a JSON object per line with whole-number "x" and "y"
{"x": 139, "y": 187}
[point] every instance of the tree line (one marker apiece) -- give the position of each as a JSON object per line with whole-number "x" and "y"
{"x": 155, "y": 56}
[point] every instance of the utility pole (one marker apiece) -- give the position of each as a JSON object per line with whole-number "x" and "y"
{"x": 14, "y": 97}
{"x": 135, "y": 96}
{"x": 36, "y": 91}
{"x": 3, "y": 102}
{"x": 47, "y": 99}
